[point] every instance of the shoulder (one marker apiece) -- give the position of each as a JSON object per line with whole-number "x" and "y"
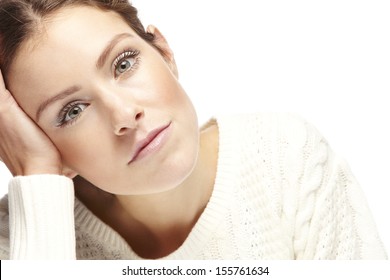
{"x": 281, "y": 146}
{"x": 263, "y": 121}
{"x": 279, "y": 128}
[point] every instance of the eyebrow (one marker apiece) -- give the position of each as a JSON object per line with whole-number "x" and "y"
{"x": 99, "y": 64}
{"x": 61, "y": 95}
{"x": 107, "y": 50}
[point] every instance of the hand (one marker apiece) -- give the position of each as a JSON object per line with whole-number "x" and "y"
{"x": 24, "y": 147}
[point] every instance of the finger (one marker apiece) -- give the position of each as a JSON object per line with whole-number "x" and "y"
{"x": 6, "y": 99}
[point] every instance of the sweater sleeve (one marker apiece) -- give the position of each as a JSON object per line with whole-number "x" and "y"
{"x": 333, "y": 220}
{"x": 41, "y": 217}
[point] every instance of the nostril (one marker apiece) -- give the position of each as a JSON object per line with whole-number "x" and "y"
{"x": 122, "y": 130}
{"x": 139, "y": 115}
{"x": 126, "y": 120}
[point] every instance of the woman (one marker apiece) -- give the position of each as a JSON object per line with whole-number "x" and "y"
{"x": 109, "y": 162}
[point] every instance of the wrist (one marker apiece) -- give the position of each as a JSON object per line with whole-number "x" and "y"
{"x": 41, "y": 169}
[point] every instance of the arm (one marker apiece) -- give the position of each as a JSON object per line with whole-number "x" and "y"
{"x": 41, "y": 220}
{"x": 40, "y": 217}
{"x": 333, "y": 220}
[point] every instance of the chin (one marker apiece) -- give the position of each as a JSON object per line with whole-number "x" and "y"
{"x": 170, "y": 175}
{"x": 175, "y": 169}
{"x": 163, "y": 173}
{"x": 173, "y": 175}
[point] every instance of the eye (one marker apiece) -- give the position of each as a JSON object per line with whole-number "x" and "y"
{"x": 70, "y": 113}
{"x": 74, "y": 112}
{"x": 124, "y": 62}
{"x": 124, "y": 65}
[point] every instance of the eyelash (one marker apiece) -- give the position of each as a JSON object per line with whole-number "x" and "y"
{"x": 126, "y": 54}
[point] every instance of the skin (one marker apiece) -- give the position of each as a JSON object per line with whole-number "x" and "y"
{"x": 153, "y": 202}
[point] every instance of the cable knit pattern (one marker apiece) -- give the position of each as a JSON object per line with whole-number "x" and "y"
{"x": 280, "y": 193}
{"x": 313, "y": 177}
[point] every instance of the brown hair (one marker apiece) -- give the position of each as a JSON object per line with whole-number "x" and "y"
{"x": 21, "y": 19}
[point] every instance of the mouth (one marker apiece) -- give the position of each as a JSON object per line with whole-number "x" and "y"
{"x": 151, "y": 143}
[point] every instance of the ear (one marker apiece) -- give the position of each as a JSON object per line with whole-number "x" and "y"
{"x": 162, "y": 45}
{"x": 66, "y": 171}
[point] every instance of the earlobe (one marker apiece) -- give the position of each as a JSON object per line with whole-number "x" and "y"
{"x": 162, "y": 45}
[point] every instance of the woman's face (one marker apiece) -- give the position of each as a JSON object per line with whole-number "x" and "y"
{"x": 109, "y": 101}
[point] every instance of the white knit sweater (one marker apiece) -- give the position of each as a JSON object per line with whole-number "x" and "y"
{"x": 280, "y": 193}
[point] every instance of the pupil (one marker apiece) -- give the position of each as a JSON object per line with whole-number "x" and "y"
{"x": 75, "y": 111}
{"x": 124, "y": 65}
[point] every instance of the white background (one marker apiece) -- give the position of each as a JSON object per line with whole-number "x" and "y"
{"x": 329, "y": 61}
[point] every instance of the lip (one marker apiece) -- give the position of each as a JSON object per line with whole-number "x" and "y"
{"x": 151, "y": 143}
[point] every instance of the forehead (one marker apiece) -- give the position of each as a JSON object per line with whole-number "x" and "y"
{"x": 71, "y": 37}
{"x": 73, "y": 26}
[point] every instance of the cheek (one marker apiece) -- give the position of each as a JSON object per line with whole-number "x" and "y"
{"x": 172, "y": 98}
{"x": 77, "y": 149}
{"x": 161, "y": 86}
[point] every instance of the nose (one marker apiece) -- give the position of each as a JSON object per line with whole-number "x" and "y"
{"x": 127, "y": 122}
{"x": 125, "y": 117}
